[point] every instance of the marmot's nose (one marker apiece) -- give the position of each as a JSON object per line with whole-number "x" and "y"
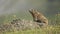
{"x": 31, "y": 9}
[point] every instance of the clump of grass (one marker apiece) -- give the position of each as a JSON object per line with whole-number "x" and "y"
{"x": 48, "y": 30}
{"x": 14, "y": 27}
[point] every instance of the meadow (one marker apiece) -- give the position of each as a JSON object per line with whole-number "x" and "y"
{"x": 52, "y": 28}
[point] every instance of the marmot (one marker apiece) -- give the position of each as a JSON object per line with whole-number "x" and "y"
{"x": 38, "y": 17}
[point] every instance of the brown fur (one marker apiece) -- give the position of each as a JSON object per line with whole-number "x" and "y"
{"x": 38, "y": 17}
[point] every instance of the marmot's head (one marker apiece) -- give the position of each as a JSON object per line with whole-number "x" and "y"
{"x": 33, "y": 11}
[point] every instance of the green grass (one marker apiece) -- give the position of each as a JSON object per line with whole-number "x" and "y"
{"x": 49, "y": 30}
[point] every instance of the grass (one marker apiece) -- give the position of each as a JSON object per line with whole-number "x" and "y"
{"x": 51, "y": 29}
{"x": 48, "y": 30}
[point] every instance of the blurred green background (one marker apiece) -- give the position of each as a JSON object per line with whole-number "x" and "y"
{"x": 20, "y": 8}
{"x": 12, "y": 9}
